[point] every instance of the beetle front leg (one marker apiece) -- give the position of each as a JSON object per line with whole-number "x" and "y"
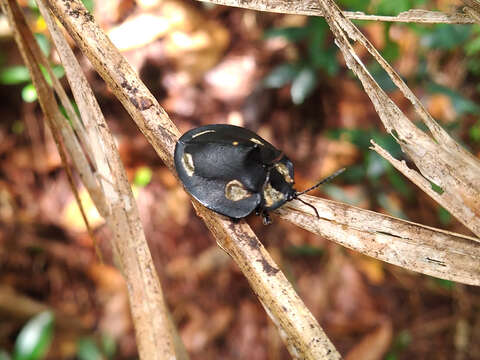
{"x": 266, "y": 218}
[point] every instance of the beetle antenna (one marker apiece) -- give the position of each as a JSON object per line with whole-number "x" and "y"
{"x": 328, "y": 178}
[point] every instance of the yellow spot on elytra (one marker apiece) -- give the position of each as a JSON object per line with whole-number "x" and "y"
{"x": 187, "y": 162}
{"x": 201, "y": 133}
{"x": 235, "y": 191}
{"x": 256, "y": 141}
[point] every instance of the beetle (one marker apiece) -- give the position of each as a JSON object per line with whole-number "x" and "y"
{"x": 233, "y": 171}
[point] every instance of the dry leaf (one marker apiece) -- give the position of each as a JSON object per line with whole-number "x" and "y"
{"x": 71, "y": 216}
{"x": 138, "y": 31}
{"x": 374, "y": 345}
{"x": 232, "y": 79}
{"x": 441, "y": 107}
{"x": 372, "y": 269}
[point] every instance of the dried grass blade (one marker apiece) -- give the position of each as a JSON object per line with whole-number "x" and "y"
{"x": 412, "y": 246}
{"x": 156, "y": 333}
{"x": 444, "y": 162}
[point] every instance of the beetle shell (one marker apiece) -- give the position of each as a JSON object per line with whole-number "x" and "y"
{"x": 233, "y": 171}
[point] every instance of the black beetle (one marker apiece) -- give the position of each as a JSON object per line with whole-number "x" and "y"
{"x": 233, "y": 171}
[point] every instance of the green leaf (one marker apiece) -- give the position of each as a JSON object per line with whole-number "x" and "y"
{"x": 280, "y": 76}
{"x": 447, "y": 36}
{"x": 354, "y": 5}
{"x": 88, "y": 350}
{"x": 354, "y": 174}
{"x": 473, "y": 66}
{"x": 46, "y": 75}
{"x": 65, "y": 114}
{"x": 143, "y": 176}
{"x": 376, "y": 165}
{"x": 358, "y": 137}
{"x": 461, "y": 104}
{"x": 446, "y": 284}
{"x": 58, "y": 71}
{"x": 109, "y": 347}
{"x": 29, "y": 93}
{"x": 391, "y": 51}
{"x": 303, "y": 85}
{"x": 89, "y": 4}
{"x": 398, "y": 182}
{"x": 416, "y": 3}
{"x": 18, "y": 127}
{"x": 43, "y": 43}
{"x": 32, "y": 4}
{"x": 325, "y": 59}
{"x": 322, "y": 54}
{"x": 389, "y": 7}
{"x": 381, "y": 77}
{"x": 337, "y": 193}
{"x": 391, "y": 356}
{"x": 400, "y": 343}
{"x": 305, "y": 251}
{"x": 403, "y": 339}
{"x": 319, "y": 26}
{"x": 473, "y": 46}
{"x": 293, "y": 34}
{"x": 14, "y": 75}
{"x": 436, "y": 188}
{"x": 474, "y": 132}
{"x": 35, "y": 338}
{"x": 388, "y": 142}
{"x": 444, "y": 216}
{"x": 4, "y": 355}
{"x": 384, "y": 201}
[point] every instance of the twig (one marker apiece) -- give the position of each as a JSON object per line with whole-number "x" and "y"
{"x": 311, "y": 8}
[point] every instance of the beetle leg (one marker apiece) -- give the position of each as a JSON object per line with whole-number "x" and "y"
{"x": 266, "y": 218}
{"x": 267, "y": 178}
{"x": 234, "y": 220}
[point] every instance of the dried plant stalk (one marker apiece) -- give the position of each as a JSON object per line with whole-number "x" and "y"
{"x": 156, "y": 333}
{"x": 412, "y": 246}
{"x": 32, "y": 53}
{"x": 63, "y": 133}
{"x": 439, "y": 158}
{"x": 297, "y": 329}
{"x": 472, "y": 9}
{"x": 311, "y": 8}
